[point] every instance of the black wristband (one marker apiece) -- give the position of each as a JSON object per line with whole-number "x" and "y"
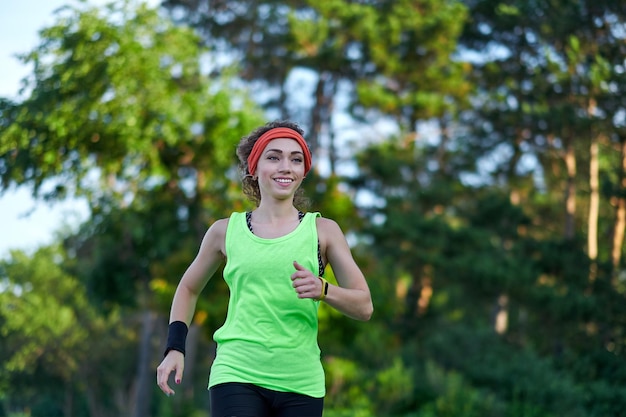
{"x": 176, "y": 337}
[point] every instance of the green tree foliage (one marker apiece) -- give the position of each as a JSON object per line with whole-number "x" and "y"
{"x": 550, "y": 80}
{"x": 456, "y": 259}
{"x": 120, "y": 111}
{"x": 483, "y": 305}
{"x": 119, "y": 94}
{"x": 371, "y": 59}
{"x": 551, "y": 90}
{"x": 54, "y": 358}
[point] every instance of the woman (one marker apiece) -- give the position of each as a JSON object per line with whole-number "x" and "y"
{"x": 268, "y": 360}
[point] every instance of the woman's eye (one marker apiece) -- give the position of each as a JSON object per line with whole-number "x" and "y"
{"x": 297, "y": 160}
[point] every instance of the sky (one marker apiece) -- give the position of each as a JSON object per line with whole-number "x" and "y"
{"x": 26, "y": 224}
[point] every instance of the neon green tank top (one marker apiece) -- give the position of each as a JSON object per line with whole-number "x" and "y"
{"x": 269, "y": 337}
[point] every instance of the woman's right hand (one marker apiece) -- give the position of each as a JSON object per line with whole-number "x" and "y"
{"x": 174, "y": 361}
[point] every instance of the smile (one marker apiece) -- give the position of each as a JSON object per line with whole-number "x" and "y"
{"x": 283, "y": 180}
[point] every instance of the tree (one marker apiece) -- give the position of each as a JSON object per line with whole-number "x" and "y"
{"x": 551, "y": 94}
{"x": 53, "y": 333}
{"x": 119, "y": 97}
{"x": 480, "y": 264}
{"x": 120, "y": 112}
{"x": 368, "y": 60}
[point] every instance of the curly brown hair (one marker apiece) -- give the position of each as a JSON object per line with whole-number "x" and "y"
{"x": 250, "y": 186}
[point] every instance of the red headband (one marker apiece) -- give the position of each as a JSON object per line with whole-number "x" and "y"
{"x": 277, "y": 133}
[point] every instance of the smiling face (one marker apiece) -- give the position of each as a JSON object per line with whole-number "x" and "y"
{"x": 280, "y": 168}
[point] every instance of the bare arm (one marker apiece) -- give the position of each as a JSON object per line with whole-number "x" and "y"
{"x": 352, "y": 296}
{"x": 209, "y": 258}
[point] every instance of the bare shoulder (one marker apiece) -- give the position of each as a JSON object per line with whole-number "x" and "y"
{"x": 327, "y": 225}
{"x": 215, "y": 236}
{"x": 328, "y": 230}
{"x": 218, "y": 228}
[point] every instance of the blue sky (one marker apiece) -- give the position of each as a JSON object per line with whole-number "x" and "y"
{"x": 26, "y": 224}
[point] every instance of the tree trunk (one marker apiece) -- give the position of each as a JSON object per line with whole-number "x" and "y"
{"x": 321, "y": 115}
{"x": 316, "y": 115}
{"x": 92, "y": 403}
{"x": 332, "y": 149}
{"x": 145, "y": 376}
{"x": 618, "y": 237}
{"x": 442, "y": 148}
{"x": 570, "y": 191}
{"x": 191, "y": 360}
{"x": 500, "y": 317}
{"x": 68, "y": 407}
{"x": 620, "y": 218}
{"x": 282, "y": 103}
{"x": 594, "y": 207}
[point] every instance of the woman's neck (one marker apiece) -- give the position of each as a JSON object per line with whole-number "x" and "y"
{"x": 270, "y": 212}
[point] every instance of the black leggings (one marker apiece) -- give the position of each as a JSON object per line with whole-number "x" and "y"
{"x": 236, "y": 399}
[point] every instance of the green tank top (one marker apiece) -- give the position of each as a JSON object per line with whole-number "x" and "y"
{"x": 269, "y": 337}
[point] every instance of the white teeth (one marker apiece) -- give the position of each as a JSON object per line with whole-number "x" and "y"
{"x": 283, "y": 180}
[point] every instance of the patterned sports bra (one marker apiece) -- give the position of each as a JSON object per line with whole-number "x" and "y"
{"x": 320, "y": 263}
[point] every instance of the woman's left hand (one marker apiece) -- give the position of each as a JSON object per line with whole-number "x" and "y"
{"x": 306, "y": 284}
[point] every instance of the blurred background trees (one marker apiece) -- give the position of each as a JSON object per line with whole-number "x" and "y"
{"x": 473, "y": 151}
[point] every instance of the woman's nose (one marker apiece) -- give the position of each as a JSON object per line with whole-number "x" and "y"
{"x": 285, "y": 165}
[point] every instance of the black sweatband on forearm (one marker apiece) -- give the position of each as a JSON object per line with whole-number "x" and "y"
{"x": 176, "y": 337}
